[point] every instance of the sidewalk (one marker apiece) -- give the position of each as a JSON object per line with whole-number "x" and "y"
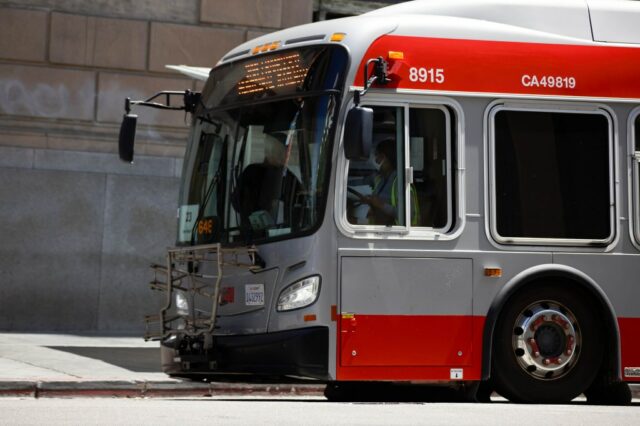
{"x": 63, "y": 365}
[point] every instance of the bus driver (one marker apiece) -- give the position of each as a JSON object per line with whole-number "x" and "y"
{"x": 383, "y": 201}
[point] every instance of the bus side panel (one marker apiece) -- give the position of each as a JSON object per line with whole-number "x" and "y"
{"x": 410, "y": 348}
{"x": 630, "y": 346}
{"x": 408, "y": 319}
{"x": 579, "y": 68}
{"x": 616, "y": 275}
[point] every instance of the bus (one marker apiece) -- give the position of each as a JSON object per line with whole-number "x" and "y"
{"x": 440, "y": 192}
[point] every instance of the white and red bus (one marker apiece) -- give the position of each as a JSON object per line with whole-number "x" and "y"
{"x": 434, "y": 192}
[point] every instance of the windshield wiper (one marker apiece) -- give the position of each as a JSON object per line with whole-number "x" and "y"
{"x": 212, "y": 185}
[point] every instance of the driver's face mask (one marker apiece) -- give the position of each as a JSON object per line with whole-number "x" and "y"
{"x": 378, "y": 164}
{"x": 375, "y": 163}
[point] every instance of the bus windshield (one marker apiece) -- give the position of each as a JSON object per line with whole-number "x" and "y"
{"x": 258, "y": 160}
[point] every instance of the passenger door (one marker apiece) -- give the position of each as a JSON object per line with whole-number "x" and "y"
{"x": 406, "y": 313}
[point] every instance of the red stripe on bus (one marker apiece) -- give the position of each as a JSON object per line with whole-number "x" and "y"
{"x": 630, "y": 346}
{"x": 425, "y": 347}
{"x": 403, "y": 347}
{"x": 509, "y": 67}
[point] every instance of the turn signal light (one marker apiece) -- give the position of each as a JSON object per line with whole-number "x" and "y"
{"x": 396, "y": 55}
{"x": 493, "y": 272}
{"x": 337, "y": 36}
{"x": 265, "y": 47}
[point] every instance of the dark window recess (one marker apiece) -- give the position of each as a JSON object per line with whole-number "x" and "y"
{"x": 552, "y": 175}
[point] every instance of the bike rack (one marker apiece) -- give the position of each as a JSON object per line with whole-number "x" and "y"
{"x": 181, "y": 272}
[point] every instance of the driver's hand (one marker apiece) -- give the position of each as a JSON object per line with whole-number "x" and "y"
{"x": 373, "y": 201}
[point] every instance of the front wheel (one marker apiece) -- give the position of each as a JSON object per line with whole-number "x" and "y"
{"x": 547, "y": 346}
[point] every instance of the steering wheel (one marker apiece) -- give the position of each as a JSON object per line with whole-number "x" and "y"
{"x": 360, "y": 195}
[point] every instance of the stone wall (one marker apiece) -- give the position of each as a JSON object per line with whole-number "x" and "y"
{"x": 78, "y": 228}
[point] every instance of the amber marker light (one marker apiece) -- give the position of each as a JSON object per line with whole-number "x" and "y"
{"x": 493, "y": 272}
{"x": 310, "y": 317}
{"x": 396, "y": 55}
{"x": 256, "y": 50}
{"x": 274, "y": 45}
{"x": 337, "y": 36}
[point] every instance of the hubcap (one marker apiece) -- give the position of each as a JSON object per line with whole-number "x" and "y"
{"x": 546, "y": 340}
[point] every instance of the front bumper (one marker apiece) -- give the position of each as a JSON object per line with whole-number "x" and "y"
{"x": 302, "y": 352}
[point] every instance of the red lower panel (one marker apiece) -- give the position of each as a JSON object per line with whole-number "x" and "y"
{"x": 403, "y": 347}
{"x": 630, "y": 346}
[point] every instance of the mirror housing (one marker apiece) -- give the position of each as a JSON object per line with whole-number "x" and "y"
{"x": 127, "y": 137}
{"x": 358, "y": 133}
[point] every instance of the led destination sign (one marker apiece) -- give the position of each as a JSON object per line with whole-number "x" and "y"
{"x": 272, "y": 73}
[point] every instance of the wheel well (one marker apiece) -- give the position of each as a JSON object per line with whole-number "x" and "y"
{"x": 574, "y": 281}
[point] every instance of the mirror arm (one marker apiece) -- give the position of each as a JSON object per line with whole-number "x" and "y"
{"x": 380, "y": 68}
{"x": 190, "y": 101}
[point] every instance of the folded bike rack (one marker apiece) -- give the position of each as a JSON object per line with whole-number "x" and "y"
{"x": 182, "y": 273}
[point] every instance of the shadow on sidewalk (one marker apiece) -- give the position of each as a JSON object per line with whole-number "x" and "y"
{"x": 141, "y": 360}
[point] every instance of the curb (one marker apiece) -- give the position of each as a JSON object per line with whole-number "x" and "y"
{"x": 159, "y": 389}
{"x": 20, "y": 388}
{"x": 142, "y": 389}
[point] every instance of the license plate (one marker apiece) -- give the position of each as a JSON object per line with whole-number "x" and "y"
{"x": 254, "y": 294}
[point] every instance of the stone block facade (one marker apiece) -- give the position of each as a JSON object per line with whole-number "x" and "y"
{"x": 23, "y": 35}
{"x": 257, "y": 13}
{"x": 43, "y": 92}
{"x": 188, "y": 45}
{"x": 98, "y": 42}
{"x": 79, "y": 228}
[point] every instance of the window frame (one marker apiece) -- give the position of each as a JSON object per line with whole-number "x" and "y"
{"x": 448, "y": 142}
{"x": 455, "y": 178}
{"x": 493, "y": 110}
{"x": 634, "y": 175}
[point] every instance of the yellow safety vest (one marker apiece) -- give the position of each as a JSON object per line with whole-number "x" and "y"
{"x": 415, "y": 207}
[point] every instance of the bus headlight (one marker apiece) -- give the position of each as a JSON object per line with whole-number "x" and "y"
{"x": 182, "y": 304}
{"x": 300, "y": 294}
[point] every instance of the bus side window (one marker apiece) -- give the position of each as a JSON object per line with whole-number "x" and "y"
{"x": 430, "y": 158}
{"x": 552, "y": 176}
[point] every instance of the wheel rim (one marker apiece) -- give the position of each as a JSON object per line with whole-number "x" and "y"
{"x": 546, "y": 340}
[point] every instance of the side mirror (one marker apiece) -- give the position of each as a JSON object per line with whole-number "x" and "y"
{"x": 358, "y": 133}
{"x": 127, "y": 137}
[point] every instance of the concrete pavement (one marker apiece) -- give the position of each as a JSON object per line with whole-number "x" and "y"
{"x": 69, "y": 365}
{"x": 56, "y": 365}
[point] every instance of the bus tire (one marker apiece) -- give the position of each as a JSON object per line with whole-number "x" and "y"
{"x": 548, "y": 345}
{"x": 340, "y": 391}
{"x": 616, "y": 393}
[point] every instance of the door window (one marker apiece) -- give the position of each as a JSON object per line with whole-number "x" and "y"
{"x": 375, "y": 187}
{"x": 407, "y": 180}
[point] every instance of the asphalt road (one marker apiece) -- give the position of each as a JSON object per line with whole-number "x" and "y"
{"x": 301, "y": 411}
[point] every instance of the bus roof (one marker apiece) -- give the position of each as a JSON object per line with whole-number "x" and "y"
{"x": 529, "y": 21}
{"x": 597, "y": 20}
